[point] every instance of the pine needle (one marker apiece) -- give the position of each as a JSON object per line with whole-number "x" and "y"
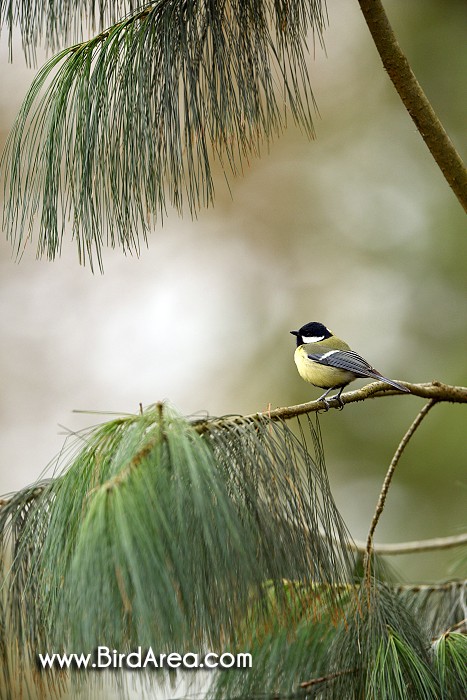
{"x": 159, "y": 534}
{"x": 118, "y": 129}
{"x": 386, "y": 648}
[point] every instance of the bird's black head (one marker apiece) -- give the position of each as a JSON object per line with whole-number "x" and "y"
{"x": 312, "y": 332}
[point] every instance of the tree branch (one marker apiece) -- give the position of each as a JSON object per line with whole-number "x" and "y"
{"x": 443, "y": 587}
{"x": 328, "y": 677}
{"x": 387, "y": 482}
{"x": 138, "y": 16}
{"x": 413, "y": 547}
{"x": 414, "y": 99}
{"x": 398, "y": 548}
{"x": 434, "y": 390}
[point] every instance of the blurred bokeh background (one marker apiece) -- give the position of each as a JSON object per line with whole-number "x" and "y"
{"x": 357, "y": 229}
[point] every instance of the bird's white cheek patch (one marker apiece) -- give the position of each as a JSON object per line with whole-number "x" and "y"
{"x": 312, "y": 338}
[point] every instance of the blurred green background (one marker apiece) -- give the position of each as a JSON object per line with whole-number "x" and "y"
{"x": 357, "y": 229}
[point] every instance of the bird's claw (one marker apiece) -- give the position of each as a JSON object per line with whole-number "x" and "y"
{"x": 328, "y": 403}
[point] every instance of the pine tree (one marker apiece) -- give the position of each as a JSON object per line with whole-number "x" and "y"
{"x": 164, "y": 531}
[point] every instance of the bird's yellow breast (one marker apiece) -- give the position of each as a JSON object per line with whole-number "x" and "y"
{"x": 320, "y": 375}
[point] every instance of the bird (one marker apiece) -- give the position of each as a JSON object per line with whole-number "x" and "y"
{"x": 326, "y": 361}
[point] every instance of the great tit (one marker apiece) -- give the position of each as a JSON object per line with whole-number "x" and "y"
{"x": 328, "y": 362}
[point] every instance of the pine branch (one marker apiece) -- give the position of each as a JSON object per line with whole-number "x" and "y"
{"x": 56, "y": 23}
{"x": 118, "y": 129}
{"x": 325, "y": 679}
{"x": 397, "y": 548}
{"x": 433, "y": 390}
{"x": 442, "y": 606}
{"x": 207, "y": 519}
{"x": 233, "y": 509}
{"x": 414, "y": 99}
{"x": 386, "y": 644}
{"x": 443, "y": 587}
{"x": 387, "y": 482}
{"x": 378, "y": 650}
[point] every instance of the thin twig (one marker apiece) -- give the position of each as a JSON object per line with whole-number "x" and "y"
{"x": 328, "y": 677}
{"x": 414, "y": 99}
{"x": 413, "y": 547}
{"x": 430, "y": 545}
{"x": 460, "y": 626}
{"x": 387, "y": 482}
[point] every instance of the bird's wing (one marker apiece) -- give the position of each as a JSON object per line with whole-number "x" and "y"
{"x": 344, "y": 359}
{"x": 351, "y": 362}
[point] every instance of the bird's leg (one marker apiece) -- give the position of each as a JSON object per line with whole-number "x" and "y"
{"x": 323, "y": 398}
{"x": 338, "y": 397}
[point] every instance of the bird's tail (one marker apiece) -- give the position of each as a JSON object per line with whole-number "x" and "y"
{"x": 396, "y": 385}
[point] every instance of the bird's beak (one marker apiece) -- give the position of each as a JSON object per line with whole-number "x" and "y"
{"x": 294, "y": 332}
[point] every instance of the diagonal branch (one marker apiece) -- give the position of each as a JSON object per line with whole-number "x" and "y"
{"x": 328, "y": 677}
{"x": 387, "y": 482}
{"x": 414, "y": 99}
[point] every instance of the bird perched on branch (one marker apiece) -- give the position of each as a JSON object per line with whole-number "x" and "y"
{"x": 328, "y": 362}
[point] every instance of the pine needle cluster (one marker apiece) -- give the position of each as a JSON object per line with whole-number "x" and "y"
{"x": 163, "y": 533}
{"x": 116, "y": 130}
{"x": 222, "y": 534}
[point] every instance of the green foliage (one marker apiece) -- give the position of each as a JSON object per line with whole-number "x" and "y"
{"x": 131, "y": 120}
{"x": 385, "y": 650}
{"x": 219, "y": 534}
{"x": 55, "y": 22}
{"x": 451, "y": 661}
{"x": 281, "y": 659}
{"x": 164, "y": 532}
{"x": 441, "y": 606}
{"x": 286, "y": 650}
{"x": 376, "y": 649}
